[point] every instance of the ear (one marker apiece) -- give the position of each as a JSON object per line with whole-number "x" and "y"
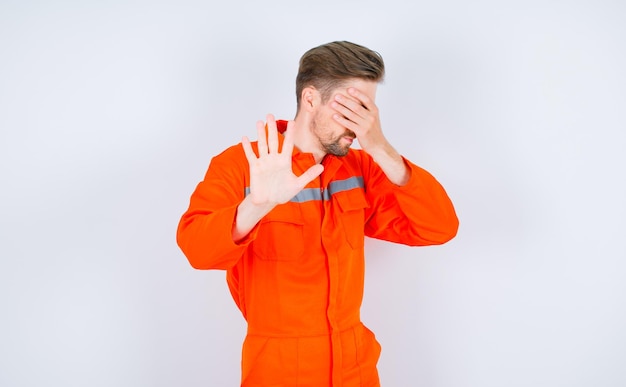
{"x": 310, "y": 98}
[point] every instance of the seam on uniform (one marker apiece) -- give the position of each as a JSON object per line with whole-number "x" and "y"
{"x": 254, "y": 362}
{"x": 357, "y": 348}
{"x": 297, "y": 360}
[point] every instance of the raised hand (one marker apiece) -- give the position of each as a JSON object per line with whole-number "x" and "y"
{"x": 357, "y": 112}
{"x": 272, "y": 180}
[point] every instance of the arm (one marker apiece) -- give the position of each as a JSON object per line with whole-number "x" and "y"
{"x": 419, "y": 213}
{"x": 408, "y": 205}
{"x": 220, "y": 222}
{"x": 205, "y": 230}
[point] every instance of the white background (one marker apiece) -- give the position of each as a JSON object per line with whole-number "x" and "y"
{"x": 111, "y": 111}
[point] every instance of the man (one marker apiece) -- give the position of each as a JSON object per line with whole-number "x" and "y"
{"x": 286, "y": 218}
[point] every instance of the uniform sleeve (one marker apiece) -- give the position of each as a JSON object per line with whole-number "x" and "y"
{"x": 420, "y": 213}
{"x": 205, "y": 230}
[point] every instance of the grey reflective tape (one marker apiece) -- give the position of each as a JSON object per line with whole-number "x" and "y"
{"x": 312, "y": 194}
{"x": 307, "y": 195}
{"x": 345, "y": 185}
{"x": 326, "y": 195}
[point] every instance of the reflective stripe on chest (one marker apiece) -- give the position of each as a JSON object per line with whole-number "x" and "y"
{"x": 335, "y": 187}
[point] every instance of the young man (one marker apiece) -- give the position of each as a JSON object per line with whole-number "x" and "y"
{"x": 286, "y": 218}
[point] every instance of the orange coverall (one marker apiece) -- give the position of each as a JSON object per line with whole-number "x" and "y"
{"x": 298, "y": 276}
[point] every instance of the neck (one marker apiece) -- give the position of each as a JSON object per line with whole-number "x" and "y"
{"x": 305, "y": 140}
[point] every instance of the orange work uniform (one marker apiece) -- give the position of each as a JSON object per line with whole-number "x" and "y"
{"x": 297, "y": 277}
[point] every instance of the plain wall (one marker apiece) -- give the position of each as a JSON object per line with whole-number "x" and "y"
{"x": 111, "y": 111}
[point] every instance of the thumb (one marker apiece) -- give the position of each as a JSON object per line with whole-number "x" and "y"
{"x": 310, "y": 174}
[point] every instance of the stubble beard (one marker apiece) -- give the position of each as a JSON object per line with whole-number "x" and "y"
{"x": 331, "y": 145}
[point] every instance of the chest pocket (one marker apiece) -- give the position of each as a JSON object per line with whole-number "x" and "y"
{"x": 281, "y": 234}
{"x": 352, "y": 216}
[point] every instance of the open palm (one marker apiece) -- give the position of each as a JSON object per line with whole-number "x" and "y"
{"x": 272, "y": 180}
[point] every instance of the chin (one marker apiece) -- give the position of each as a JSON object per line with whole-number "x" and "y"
{"x": 340, "y": 152}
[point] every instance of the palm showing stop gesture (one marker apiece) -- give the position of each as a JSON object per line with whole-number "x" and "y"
{"x": 272, "y": 180}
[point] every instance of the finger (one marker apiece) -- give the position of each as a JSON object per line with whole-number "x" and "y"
{"x": 261, "y": 141}
{"x": 310, "y": 174}
{"x": 346, "y": 108}
{"x": 272, "y": 134}
{"x": 288, "y": 141}
{"x": 247, "y": 149}
{"x": 348, "y": 124}
{"x": 365, "y": 101}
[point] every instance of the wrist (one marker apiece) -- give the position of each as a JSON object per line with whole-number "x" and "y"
{"x": 384, "y": 152}
{"x": 392, "y": 164}
{"x": 256, "y": 209}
